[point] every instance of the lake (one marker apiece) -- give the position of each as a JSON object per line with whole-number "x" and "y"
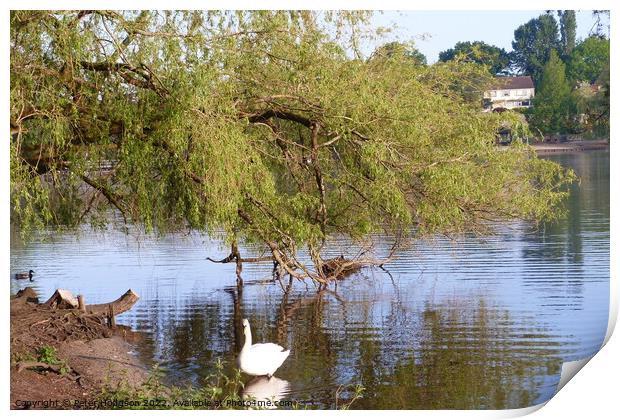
{"x": 458, "y": 323}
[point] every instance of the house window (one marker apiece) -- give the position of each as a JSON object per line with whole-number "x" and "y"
{"x": 506, "y": 93}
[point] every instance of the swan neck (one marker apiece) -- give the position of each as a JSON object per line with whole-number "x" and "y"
{"x": 248, "y": 337}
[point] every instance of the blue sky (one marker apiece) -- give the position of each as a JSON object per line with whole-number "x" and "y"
{"x": 436, "y": 31}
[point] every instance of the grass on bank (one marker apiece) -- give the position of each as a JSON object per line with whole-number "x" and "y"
{"x": 221, "y": 392}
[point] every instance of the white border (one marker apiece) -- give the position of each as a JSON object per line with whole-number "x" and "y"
{"x": 594, "y": 394}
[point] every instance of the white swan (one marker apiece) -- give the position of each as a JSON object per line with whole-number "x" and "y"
{"x": 260, "y": 359}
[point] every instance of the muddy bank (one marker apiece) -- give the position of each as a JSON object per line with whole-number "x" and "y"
{"x": 60, "y": 356}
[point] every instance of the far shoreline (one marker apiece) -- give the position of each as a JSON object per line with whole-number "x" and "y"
{"x": 569, "y": 146}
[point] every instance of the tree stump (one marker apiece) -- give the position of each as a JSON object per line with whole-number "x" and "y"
{"x": 81, "y": 303}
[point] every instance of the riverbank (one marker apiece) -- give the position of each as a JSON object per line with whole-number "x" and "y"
{"x": 60, "y": 360}
{"x": 570, "y": 146}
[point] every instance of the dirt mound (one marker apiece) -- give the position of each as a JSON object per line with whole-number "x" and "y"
{"x": 87, "y": 354}
{"x": 32, "y": 323}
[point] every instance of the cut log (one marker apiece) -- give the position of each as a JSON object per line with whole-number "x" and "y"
{"x": 62, "y": 299}
{"x": 120, "y": 305}
{"x": 111, "y": 319}
{"x": 28, "y": 294}
{"x": 81, "y": 304}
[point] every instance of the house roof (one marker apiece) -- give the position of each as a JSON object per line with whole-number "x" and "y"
{"x": 518, "y": 82}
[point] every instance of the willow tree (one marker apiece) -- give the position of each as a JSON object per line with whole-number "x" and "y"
{"x": 265, "y": 126}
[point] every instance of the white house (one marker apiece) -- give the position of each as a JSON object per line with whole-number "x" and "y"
{"x": 509, "y": 93}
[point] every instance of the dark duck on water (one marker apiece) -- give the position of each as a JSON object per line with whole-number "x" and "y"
{"x": 25, "y": 275}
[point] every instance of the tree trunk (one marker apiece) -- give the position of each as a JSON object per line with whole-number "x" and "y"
{"x": 64, "y": 299}
{"x": 120, "y": 305}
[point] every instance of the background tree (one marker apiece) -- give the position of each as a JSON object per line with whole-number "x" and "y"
{"x": 601, "y": 26}
{"x": 464, "y": 81}
{"x": 568, "y": 32}
{"x": 496, "y": 59}
{"x": 591, "y": 105}
{"x": 551, "y": 111}
{"x": 400, "y": 50}
{"x": 588, "y": 60}
{"x": 532, "y": 45}
{"x": 600, "y": 105}
{"x": 253, "y": 126}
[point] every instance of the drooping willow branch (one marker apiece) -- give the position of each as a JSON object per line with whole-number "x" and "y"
{"x": 109, "y": 195}
{"x": 145, "y": 76}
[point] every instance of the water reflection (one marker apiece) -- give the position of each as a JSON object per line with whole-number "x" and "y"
{"x": 471, "y": 323}
{"x": 263, "y": 389}
{"x": 468, "y": 357}
{"x": 588, "y": 206}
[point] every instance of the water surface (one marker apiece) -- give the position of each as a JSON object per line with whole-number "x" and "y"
{"x": 464, "y": 323}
